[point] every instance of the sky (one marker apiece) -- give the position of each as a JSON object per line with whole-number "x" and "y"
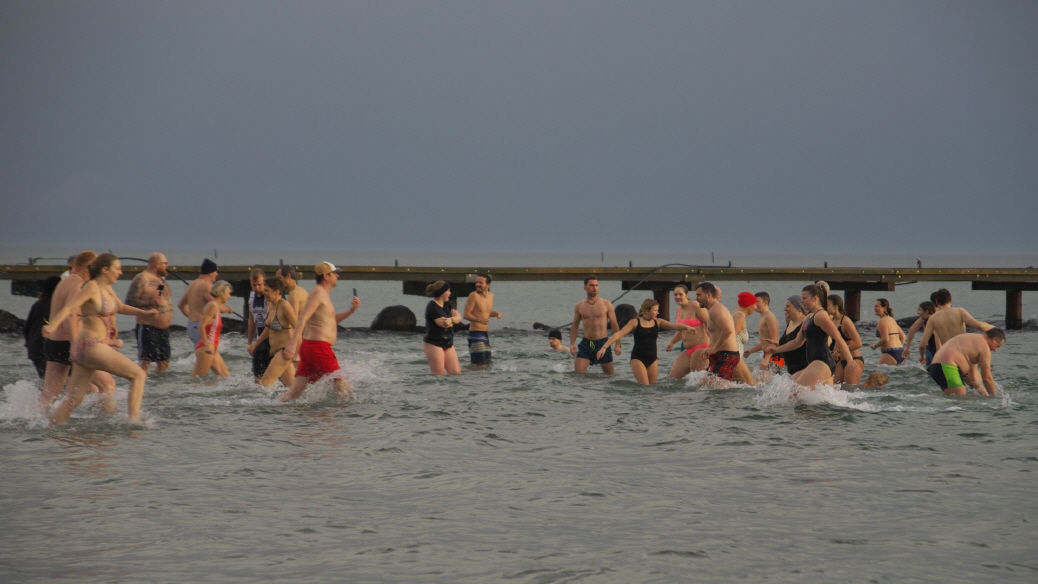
{"x": 783, "y": 127}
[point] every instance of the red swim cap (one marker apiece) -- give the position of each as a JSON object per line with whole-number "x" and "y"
{"x": 746, "y": 299}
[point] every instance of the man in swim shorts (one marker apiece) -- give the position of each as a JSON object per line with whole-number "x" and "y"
{"x": 479, "y": 308}
{"x": 957, "y": 362}
{"x": 197, "y": 296}
{"x": 148, "y": 290}
{"x": 315, "y": 333}
{"x": 56, "y": 348}
{"x": 596, "y": 313}
{"x": 723, "y": 351}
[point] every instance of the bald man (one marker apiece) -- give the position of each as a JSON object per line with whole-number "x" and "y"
{"x": 149, "y": 290}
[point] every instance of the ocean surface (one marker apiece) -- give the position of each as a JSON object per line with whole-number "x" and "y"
{"x": 526, "y": 472}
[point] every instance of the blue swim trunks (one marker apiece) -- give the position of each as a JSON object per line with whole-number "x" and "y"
{"x": 588, "y": 349}
{"x": 479, "y": 347}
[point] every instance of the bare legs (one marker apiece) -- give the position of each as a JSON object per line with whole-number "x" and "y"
{"x": 645, "y": 375}
{"x": 101, "y": 357}
{"x": 580, "y": 365}
{"x": 279, "y": 368}
{"x": 204, "y": 362}
{"x": 442, "y": 360}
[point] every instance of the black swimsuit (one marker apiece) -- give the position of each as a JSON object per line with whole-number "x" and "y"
{"x": 796, "y": 360}
{"x": 645, "y": 343}
{"x": 818, "y": 344}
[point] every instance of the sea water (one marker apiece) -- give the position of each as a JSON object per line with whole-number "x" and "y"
{"x": 526, "y": 471}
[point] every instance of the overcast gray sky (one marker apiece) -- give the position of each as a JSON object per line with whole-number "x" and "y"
{"x": 779, "y": 126}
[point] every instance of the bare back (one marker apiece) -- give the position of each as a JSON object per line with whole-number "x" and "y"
{"x": 964, "y": 351}
{"x": 65, "y": 291}
{"x": 297, "y": 298}
{"x": 197, "y": 295}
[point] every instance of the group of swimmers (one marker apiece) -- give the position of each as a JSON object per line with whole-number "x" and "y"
{"x": 291, "y": 333}
{"x": 819, "y": 345}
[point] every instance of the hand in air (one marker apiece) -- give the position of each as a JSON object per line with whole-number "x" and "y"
{"x": 355, "y": 303}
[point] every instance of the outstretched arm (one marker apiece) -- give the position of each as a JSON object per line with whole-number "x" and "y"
{"x": 616, "y": 337}
{"x": 972, "y": 322}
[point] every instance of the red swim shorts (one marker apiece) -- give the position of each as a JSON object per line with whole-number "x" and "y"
{"x": 780, "y": 361}
{"x": 316, "y": 360}
{"x": 723, "y": 364}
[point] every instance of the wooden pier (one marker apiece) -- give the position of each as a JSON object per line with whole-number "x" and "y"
{"x": 1013, "y": 281}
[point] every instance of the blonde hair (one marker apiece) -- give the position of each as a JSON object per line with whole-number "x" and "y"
{"x": 219, "y": 288}
{"x": 647, "y": 305}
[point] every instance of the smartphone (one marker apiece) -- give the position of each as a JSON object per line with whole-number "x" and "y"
{"x": 354, "y": 291}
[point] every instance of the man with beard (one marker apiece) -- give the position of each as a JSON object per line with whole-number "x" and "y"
{"x": 148, "y": 290}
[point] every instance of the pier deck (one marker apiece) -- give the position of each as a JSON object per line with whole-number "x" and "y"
{"x": 852, "y": 281}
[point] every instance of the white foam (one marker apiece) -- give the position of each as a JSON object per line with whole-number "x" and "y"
{"x": 23, "y": 405}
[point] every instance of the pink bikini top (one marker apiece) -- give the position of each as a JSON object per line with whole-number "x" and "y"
{"x": 692, "y": 322}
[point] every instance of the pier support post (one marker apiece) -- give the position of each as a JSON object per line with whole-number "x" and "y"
{"x": 852, "y": 303}
{"x": 852, "y": 294}
{"x": 1014, "y": 309}
{"x": 1014, "y": 299}
{"x": 660, "y": 293}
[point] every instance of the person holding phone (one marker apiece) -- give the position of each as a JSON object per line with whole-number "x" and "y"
{"x": 148, "y": 290}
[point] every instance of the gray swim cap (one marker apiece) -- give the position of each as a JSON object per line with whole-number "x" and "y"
{"x": 795, "y": 301}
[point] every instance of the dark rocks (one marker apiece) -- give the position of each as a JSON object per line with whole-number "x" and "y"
{"x": 10, "y": 323}
{"x": 624, "y": 313}
{"x": 395, "y": 318}
{"x": 233, "y": 325}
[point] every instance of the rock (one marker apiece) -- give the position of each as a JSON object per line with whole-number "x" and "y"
{"x": 624, "y": 313}
{"x": 540, "y": 326}
{"x": 906, "y": 321}
{"x": 233, "y": 325}
{"x": 10, "y": 323}
{"x": 395, "y": 318}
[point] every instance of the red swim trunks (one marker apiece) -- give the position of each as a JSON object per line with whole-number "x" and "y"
{"x": 781, "y": 362}
{"x": 723, "y": 364}
{"x": 316, "y": 360}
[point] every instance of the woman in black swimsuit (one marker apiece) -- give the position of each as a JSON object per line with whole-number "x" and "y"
{"x": 815, "y": 333}
{"x": 847, "y": 370}
{"x": 440, "y": 318}
{"x": 646, "y": 329}
{"x": 795, "y": 360}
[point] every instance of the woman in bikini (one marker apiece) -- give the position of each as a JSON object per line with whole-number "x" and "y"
{"x": 91, "y": 352}
{"x": 207, "y": 354}
{"x": 281, "y": 318}
{"x": 646, "y": 329}
{"x": 844, "y": 373}
{"x": 814, "y": 335}
{"x": 690, "y": 340}
{"x": 891, "y": 337}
